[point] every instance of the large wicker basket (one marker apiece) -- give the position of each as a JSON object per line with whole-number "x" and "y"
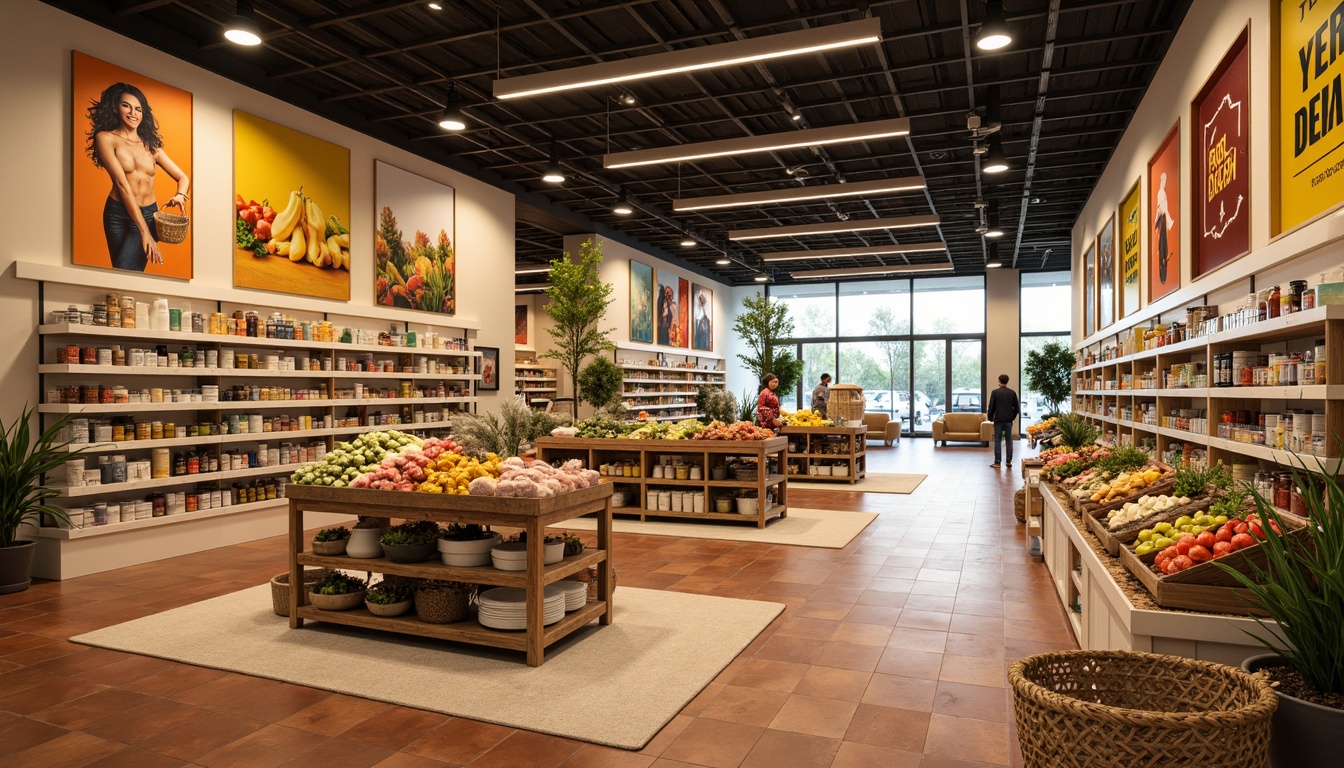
{"x": 846, "y": 404}
{"x": 443, "y": 602}
{"x": 280, "y": 588}
{"x": 1098, "y": 709}
{"x": 170, "y": 227}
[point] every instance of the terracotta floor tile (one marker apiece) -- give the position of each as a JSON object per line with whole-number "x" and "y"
{"x": 264, "y": 748}
{"x": 134, "y": 757}
{"x": 145, "y": 721}
{"x": 597, "y": 756}
{"x": 665, "y": 763}
{"x": 984, "y": 646}
{"x": 901, "y": 729}
{"x": 815, "y": 716}
{"x": 87, "y": 658}
{"x": 175, "y": 680}
{"x": 976, "y": 625}
{"x": 834, "y": 683}
{"x": 974, "y": 670}
{"x": 669, "y": 733}
{"x": 813, "y": 629}
{"x": 936, "y": 574}
{"x": 339, "y": 752}
{"x": 967, "y": 739}
{"x": 20, "y": 733}
{"x": 525, "y": 749}
{"x": 71, "y": 749}
{"x": 934, "y": 588}
{"x": 196, "y": 737}
{"x": 778, "y": 748}
{"x": 22, "y": 641}
{"x": 973, "y": 701}
{"x": 79, "y": 713}
{"x": 702, "y": 699}
{"x": 817, "y": 609}
{"x": 57, "y": 691}
{"x": 862, "y": 634}
{"x": 935, "y": 603}
{"x": 335, "y": 714}
{"x": 849, "y": 656}
{"x": 713, "y": 743}
{"x": 879, "y": 615}
{"x": 853, "y": 754}
{"x": 226, "y": 691}
{"x": 121, "y": 672}
{"x": 770, "y": 675}
{"x": 916, "y": 619}
{"x": 911, "y": 639}
{"x": 750, "y": 706}
{"x": 796, "y": 649}
{"x": 882, "y": 599}
{"x": 403, "y": 760}
{"x": 456, "y": 740}
{"x": 935, "y": 761}
{"x": 898, "y": 692}
{"x": 896, "y": 661}
{"x": 276, "y": 704}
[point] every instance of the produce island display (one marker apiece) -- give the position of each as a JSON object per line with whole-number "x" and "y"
{"x": 821, "y": 451}
{"x": 686, "y": 469}
{"x": 428, "y": 482}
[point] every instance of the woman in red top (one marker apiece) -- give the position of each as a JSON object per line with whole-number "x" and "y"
{"x": 767, "y": 404}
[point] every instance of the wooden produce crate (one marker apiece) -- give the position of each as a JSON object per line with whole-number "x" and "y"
{"x": 1122, "y": 537}
{"x": 1205, "y": 586}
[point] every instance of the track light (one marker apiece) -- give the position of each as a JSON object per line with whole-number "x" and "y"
{"x": 628, "y": 99}
{"x": 810, "y": 274}
{"x": 994, "y": 262}
{"x": 622, "y": 206}
{"x": 553, "y": 173}
{"x": 242, "y": 29}
{"x": 991, "y": 218}
{"x": 761, "y": 278}
{"x": 994, "y": 161}
{"x": 453, "y": 119}
{"x": 994, "y": 32}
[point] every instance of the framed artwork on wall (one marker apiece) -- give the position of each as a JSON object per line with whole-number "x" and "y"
{"x": 666, "y": 311}
{"x": 307, "y": 182}
{"x": 488, "y": 369}
{"x": 415, "y": 265}
{"x": 520, "y": 324}
{"x": 1221, "y": 183}
{"x": 1164, "y": 205}
{"x": 1106, "y": 269}
{"x": 132, "y": 127}
{"x": 1306, "y": 128}
{"x": 683, "y": 312}
{"x": 702, "y": 312}
{"x": 1131, "y": 250}
{"x": 641, "y": 302}
{"x": 1090, "y": 290}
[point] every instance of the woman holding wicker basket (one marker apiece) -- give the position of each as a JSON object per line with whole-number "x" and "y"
{"x": 123, "y": 139}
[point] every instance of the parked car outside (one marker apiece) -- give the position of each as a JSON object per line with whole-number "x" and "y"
{"x": 898, "y": 403}
{"x": 966, "y": 401}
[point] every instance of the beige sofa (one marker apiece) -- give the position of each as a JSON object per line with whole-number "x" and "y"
{"x": 883, "y": 427}
{"x": 963, "y": 427}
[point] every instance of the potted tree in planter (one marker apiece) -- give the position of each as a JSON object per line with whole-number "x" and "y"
{"x": 1302, "y": 590}
{"x": 387, "y": 599}
{"x": 331, "y": 541}
{"x": 23, "y": 497}
{"x": 577, "y": 303}
{"x": 466, "y": 544}
{"x": 410, "y": 542}
{"x": 337, "y": 592}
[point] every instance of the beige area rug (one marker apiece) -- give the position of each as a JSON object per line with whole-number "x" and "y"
{"x": 615, "y": 685}
{"x": 830, "y": 529}
{"x": 873, "y": 482}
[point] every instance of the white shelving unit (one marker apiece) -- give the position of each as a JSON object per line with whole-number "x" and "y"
{"x": 666, "y": 392}
{"x": 535, "y": 380}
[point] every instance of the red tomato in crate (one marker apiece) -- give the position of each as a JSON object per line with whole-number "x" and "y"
{"x": 1200, "y": 554}
{"x": 1242, "y": 541}
{"x": 1224, "y": 533}
{"x": 1205, "y": 539}
{"x": 1221, "y": 548}
{"x": 1180, "y": 563}
{"x": 1256, "y": 530}
{"x": 1187, "y": 541}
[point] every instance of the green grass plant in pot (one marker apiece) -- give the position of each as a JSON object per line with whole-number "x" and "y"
{"x": 331, "y": 541}
{"x": 1302, "y": 590}
{"x": 410, "y": 542}
{"x": 386, "y": 599}
{"x": 338, "y": 592}
{"x": 23, "y": 496}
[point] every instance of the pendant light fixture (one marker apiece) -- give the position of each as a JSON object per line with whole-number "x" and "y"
{"x": 994, "y": 161}
{"x": 723, "y": 262}
{"x": 994, "y": 31}
{"x": 852, "y": 133}
{"x": 687, "y": 241}
{"x": 994, "y": 261}
{"x": 553, "y": 174}
{"x": 622, "y": 206}
{"x": 992, "y": 229}
{"x": 453, "y": 119}
{"x": 242, "y": 29}
{"x": 797, "y": 194}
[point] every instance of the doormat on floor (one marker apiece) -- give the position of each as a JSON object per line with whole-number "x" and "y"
{"x": 829, "y": 529}
{"x": 615, "y": 685}
{"x": 874, "y": 482}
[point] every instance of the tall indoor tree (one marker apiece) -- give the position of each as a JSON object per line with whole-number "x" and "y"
{"x": 577, "y": 302}
{"x": 1048, "y": 372}
{"x": 761, "y": 325}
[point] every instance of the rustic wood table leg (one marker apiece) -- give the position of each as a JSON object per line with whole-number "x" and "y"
{"x": 295, "y": 570}
{"x": 606, "y": 590}
{"x": 536, "y": 591}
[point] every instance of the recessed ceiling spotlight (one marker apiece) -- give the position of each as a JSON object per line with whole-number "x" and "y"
{"x": 796, "y": 117}
{"x": 435, "y": 7}
{"x": 242, "y": 29}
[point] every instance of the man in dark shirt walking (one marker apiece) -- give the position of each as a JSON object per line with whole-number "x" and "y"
{"x": 1003, "y": 408}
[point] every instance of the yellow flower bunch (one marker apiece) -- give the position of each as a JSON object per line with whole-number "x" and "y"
{"x": 804, "y": 418}
{"x": 452, "y": 473}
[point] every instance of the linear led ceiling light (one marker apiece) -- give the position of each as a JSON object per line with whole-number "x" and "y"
{"x": 801, "y": 194}
{"x": 809, "y": 274}
{"x": 862, "y": 32}
{"x": 531, "y": 288}
{"x": 840, "y": 253}
{"x": 771, "y": 142}
{"x": 830, "y": 227}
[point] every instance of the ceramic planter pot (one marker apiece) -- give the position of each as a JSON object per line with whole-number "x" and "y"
{"x": 467, "y": 553}
{"x": 1302, "y": 734}
{"x": 330, "y": 548}
{"x": 394, "y": 609}
{"x": 337, "y": 602}
{"x": 363, "y": 543}
{"x": 16, "y": 566}
{"x": 409, "y": 554}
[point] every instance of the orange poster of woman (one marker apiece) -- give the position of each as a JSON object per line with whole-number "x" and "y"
{"x": 131, "y": 158}
{"x": 1164, "y": 210}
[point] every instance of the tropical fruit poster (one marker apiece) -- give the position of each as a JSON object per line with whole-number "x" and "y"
{"x": 415, "y": 264}
{"x": 291, "y": 210}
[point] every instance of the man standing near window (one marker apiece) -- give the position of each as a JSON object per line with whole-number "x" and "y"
{"x": 1003, "y": 408}
{"x": 821, "y": 395}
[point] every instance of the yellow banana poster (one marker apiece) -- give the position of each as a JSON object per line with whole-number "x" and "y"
{"x": 1131, "y": 251}
{"x": 1310, "y": 120}
{"x": 291, "y": 210}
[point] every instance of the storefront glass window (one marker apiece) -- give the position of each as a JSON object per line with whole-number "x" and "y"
{"x": 950, "y": 305}
{"x": 811, "y": 307}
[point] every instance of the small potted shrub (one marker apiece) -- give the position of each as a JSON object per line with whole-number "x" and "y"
{"x": 466, "y": 544}
{"x": 363, "y": 542}
{"x": 331, "y": 541}
{"x": 409, "y": 542}
{"x": 388, "y": 599}
{"x": 573, "y": 545}
{"x": 338, "y": 592}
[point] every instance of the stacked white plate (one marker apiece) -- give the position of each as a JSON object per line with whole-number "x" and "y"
{"x": 506, "y": 607}
{"x": 576, "y": 594}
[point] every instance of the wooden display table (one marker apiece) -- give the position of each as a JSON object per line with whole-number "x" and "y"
{"x": 812, "y": 443}
{"x": 644, "y": 454}
{"x": 532, "y": 515}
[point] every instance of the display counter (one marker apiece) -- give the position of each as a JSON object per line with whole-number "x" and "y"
{"x": 836, "y": 454}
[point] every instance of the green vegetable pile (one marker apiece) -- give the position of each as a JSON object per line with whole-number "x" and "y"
{"x": 350, "y": 460}
{"x": 602, "y": 427}
{"x": 246, "y": 241}
{"x": 1123, "y": 459}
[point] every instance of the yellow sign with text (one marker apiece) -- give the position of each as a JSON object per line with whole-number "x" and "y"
{"x": 1311, "y": 109}
{"x": 1131, "y": 258}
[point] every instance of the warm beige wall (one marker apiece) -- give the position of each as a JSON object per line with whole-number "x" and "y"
{"x": 1003, "y": 341}
{"x": 35, "y": 51}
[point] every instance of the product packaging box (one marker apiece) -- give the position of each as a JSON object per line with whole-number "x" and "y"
{"x": 1329, "y": 293}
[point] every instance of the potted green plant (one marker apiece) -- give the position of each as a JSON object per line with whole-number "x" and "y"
{"x": 409, "y": 542}
{"x": 363, "y": 542}
{"x": 386, "y": 599}
{"x": 573, "y": 545}
{"x": 23, "y": 496}
{"x": 331, "y": 541}
{"x": 600, "y": 382}
{"x": 466, "y": 544}
{"x": 506, "y": 433}
{"x": 1048, "y": 372}
{"x": 1302, "y": 589}
{"x": 577, "y": 304}
{"x": 337, "y": 592}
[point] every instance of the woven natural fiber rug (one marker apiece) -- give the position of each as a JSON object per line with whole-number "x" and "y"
{"x": 829, "y": 529}
{"x": 874, "y": 482}
{"x": 615, "y": 685}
